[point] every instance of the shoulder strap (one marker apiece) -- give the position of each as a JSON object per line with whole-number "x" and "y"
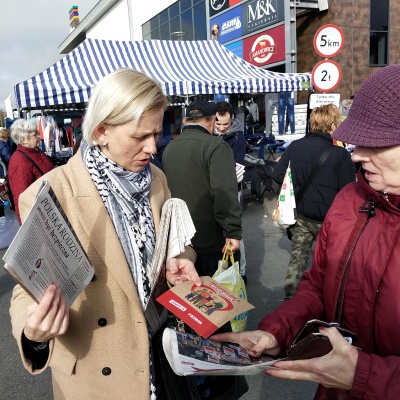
{"x": 314, "y": 171}
{"x": 366, "y": 211}
{"x": 30, "y": 159}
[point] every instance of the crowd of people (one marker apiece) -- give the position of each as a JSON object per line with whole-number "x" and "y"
{"x": 112, "y": 194}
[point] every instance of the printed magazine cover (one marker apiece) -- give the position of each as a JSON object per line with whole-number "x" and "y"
{"x": 189, "y": 354}
{"x": 204, "y": 308}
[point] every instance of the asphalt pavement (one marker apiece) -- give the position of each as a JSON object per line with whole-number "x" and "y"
{"x": 267, "y": 255}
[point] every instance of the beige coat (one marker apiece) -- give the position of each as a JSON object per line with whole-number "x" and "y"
{"x": 79, "y": 357}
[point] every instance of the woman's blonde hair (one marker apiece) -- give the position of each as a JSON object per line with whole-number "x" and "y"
{"x": 322, "y": 118}
{"x": 120, "y": 97}
{"x": 4, "y": 134}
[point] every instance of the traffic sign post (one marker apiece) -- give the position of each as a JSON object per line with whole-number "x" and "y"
{"x": 328, "y": 41}
{"x": 326, "y": 75}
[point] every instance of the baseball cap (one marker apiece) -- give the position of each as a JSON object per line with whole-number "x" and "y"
{"x": 200, "y": 108}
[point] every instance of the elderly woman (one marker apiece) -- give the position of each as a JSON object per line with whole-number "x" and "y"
{"x": 355, "y": 277}
{"x": 28, "y": 163}
{"x": 334, "y": 171}
{"x": 100, "y": 348}
{"x": 5, "y": 151}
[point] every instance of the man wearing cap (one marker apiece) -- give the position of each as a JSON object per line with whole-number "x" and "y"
{"x": 197, "y": 168}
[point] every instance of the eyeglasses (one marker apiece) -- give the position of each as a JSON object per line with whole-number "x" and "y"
{"x": 35, "y": 134}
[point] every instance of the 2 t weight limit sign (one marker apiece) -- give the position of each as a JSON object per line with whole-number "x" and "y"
{"x": 326, "y": 75}
{"x": 328, "y": 41}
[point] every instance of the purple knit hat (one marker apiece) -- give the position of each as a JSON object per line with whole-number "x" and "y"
{"x": 374, "y": 116}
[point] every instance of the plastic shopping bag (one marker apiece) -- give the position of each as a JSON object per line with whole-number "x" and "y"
{"x": 284, "y": 214}
{"x": 230, "y": 278}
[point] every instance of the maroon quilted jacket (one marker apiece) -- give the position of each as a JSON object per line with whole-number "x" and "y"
{"x": 372, "y": 296}
{"x": 22, "y": 173}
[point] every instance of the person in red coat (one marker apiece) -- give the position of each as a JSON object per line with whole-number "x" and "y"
{"x": 355, "y": 277}
{"x": 28, "y": 162}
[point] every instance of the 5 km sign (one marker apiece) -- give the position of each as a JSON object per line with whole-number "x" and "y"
{"x": 328, "y": 41}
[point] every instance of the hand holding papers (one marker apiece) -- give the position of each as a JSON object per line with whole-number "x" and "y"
{"x": 46, "y": 250}
{"x": 175, "y": 231}
{"x": 204, "y": 308}
{"x": 189, "y": 354}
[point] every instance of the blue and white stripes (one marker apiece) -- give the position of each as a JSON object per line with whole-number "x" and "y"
{"x": 181, "y": 67}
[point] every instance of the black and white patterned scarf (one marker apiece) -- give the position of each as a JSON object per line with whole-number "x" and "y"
{"x": 125, "y": 196}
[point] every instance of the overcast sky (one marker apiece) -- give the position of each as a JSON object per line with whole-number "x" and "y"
{"x": 30, "y": 33}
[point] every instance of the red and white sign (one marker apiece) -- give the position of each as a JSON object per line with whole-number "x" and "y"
{"x": 265, "y": 48}
{"x": 326, "y": 75}
{"x": 328, "y": 41}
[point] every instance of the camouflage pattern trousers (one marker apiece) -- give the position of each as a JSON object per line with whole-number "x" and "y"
{"x": 304, "y": 233}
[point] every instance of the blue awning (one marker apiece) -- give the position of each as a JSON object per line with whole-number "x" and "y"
{"x": 181, "y": 67}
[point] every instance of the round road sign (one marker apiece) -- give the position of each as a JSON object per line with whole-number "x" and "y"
{"x": 328, "y": 41}
{"x": 326, "y": 75}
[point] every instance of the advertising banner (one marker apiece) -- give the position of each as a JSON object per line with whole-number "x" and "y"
{"x": 259, "y": 14}
{"x": 236, "y": 48}
{"x": 229, "y": 25}
{"x": 265, "y": 48}
{"x": 216, "y": 6}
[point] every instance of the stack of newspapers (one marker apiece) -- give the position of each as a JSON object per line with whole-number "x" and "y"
{"x": 175, "y": 232}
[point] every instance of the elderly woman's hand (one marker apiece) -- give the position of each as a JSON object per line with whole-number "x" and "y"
{"x": 49, "y": 318}
{"x": 334, "y": 370}
{"x": 257, "y": 342}
{"x": 180, "y": 270}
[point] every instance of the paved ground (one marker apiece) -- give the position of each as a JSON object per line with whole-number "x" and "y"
{"x": 267, "y": 253}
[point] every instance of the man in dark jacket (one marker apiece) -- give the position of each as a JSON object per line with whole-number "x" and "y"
{"x": 336, "y": 172}
{"x": 197, "y": 168}
{"x": 230, "y": 131}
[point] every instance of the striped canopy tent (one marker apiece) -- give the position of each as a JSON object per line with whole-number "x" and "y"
{"x": 181, "y": 67}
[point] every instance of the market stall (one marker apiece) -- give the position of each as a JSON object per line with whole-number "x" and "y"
{"x": 182, "y": 67}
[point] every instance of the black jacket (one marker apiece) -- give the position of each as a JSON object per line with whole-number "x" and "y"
{"x": 200, "y": 170}
{"x": 337, "y": 171}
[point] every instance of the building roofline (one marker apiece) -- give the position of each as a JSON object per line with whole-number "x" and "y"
{"x": 78, "y": 35}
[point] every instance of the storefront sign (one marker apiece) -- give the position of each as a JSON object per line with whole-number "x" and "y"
{"x": 265, "y": 48}
{"x": 236, "y": 48}
{"x": 216, "y": 6}
{"x": 230, "y": 25}
{"x": 259, "y": 14}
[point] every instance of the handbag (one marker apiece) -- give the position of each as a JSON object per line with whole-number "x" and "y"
{"x": 284, "y": 214}
{"x": 230, "y": 278}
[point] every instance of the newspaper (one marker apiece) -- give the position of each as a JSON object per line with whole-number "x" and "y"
{"x": 189, "y": 354}
{"x": 175, "y": 232}
{"x": 46, "y": 250}
{"x": 204, "y": 308}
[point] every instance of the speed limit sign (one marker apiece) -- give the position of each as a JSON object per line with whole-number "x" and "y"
{"x": 326, "y": 75}
{"x": 328, "y": 41}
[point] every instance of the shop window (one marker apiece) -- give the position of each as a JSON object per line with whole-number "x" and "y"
{"x": 174, "y": 10}
{"x": 164, "y": 17}
{"x": 154, "y": 24}
{"x": 187, "y": 24}
{"x": 146, "y": 29}
{"x": 200, "y": 27}
{"x": 185, "y": 5}
{"x": 379, "y": 33}
{"x": 165, "y": 32}
{"x": 175, "y": 25}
